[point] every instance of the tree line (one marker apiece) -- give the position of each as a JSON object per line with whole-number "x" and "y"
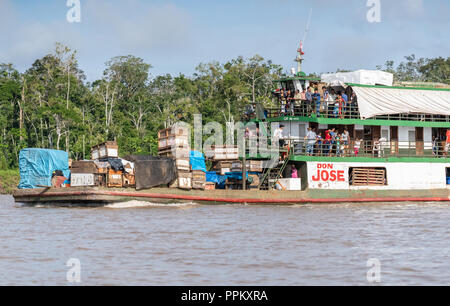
{"x": 51, "y": 105}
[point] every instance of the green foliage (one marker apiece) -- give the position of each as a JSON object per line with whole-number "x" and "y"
{"x": 61, "y": 111}
{"x": 9, "y": 179}
{"x": 420, "y": 70}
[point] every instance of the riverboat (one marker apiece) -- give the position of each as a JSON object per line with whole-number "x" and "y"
{"x": 389, "y": 145}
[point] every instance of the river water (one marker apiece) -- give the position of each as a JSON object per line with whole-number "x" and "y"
{"x": 148, "y": 244}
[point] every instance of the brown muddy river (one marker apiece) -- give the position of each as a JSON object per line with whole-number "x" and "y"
{"x": 149, "y": 244}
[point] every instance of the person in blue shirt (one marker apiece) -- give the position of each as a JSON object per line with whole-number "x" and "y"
{"x": 316, "y": 99}
{"x": 309, "y": 100}
{"x": 344, "y": 107}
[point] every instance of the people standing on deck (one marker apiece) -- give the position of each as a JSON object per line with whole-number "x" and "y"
{"x": 376, "y": 147}
{"x": 447, "y": 143}
{"x": 319, "y": 149}
{"x": 309, "y": 100}
{"x": 333, "y": 142}
{"x": 345, "y": 103}
{"x": 353, "y": 104}
{"x": 340, "y": 104}
{"x": 278, "y": 136}
{"x": 311, "y": 138}
{"x": 288, "y": 102}
{"x": 316, "y": 101}
{"x": 435, "y": 146}
{"x": 338, "y": 145}
{"x": 327, "y": 100}
{"x": 357, "y": 146}
{"x": 337, "y": 106}
{"x": 303, "y": 108}
{"x": 297, "y": 100}
{"x": 331, "y": 101}
{"x": 345, "y": 141}
{"x": 327, "y": 143}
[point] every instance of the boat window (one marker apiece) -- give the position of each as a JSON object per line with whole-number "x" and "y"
{"x": 367, "y": 176}
{"x": 447, "y": 174}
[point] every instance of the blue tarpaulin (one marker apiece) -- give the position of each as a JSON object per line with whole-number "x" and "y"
{"x": 197, "y": 160}
{"x": 213, "y": 177}
{"x": 235, "y": 175}
{"x": 36, "y": 167}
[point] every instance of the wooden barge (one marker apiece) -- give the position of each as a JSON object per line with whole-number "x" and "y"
{"x": 101, "y": 196}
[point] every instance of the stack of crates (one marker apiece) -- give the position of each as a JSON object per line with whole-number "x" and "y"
{"x": 174, "y": 143}
{"x": 223, "y": 153}
{"x": 198, "y": 179}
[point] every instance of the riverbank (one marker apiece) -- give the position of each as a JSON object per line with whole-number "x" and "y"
{"x": 9, "y": 179}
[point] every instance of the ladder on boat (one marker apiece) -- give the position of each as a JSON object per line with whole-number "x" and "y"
{"x": 272, "y": 175}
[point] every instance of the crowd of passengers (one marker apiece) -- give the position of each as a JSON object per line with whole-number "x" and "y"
{"x": 335, "y": 143}
{"x": 311, "y": 103}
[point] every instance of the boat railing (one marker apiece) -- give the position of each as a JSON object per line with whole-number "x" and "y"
{"x": 348, "y": 111}
{"x": 368, "y": 148}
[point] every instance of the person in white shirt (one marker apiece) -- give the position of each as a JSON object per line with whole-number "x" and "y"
{"x": 278, "y": 135}
{"x": 345, "y": 141}
{"x": 311, "y": 139}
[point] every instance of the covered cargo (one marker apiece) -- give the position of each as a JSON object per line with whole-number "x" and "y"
{"x": 363, "y": 77}
{"x": 375, "y": 101}
{"x": 197, "y": 161}
{"x": 36, "y": 167}
{"x": 153, "y": 171}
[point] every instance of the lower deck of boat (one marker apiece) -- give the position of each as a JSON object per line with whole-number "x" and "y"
{"x": 98, "y": 195}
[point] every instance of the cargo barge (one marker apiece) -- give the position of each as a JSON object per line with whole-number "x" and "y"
{"x": 354, "y": 138}
{"x": 90, "y": 196}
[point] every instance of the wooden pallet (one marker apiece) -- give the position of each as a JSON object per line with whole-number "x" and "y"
{"x": 367, "y": 177}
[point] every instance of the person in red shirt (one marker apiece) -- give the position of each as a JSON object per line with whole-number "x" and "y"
{"x": 447, "y": 143}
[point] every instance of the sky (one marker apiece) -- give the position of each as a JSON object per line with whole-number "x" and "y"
{"x": 174, "y": 36}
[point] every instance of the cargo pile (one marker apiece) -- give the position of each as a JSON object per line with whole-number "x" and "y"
{"x": 225, "y": 160}
{"x": 174, "y": 143}
{"x": 105, "y": 169}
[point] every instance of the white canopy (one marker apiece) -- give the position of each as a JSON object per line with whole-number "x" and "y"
{"x": 375, "y": 101}
{"x": 363, "y": 77}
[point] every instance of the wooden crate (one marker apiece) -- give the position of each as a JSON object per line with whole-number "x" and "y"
{"x": 128, "y": 180}
{"x": 109, "y": 149}
{"x": 224, "y": 171}
{"x": 210, "y": 186}
{"x": 183, "y": 164}
{"x": 198, "y": 185}
{"x": 115, "y": 179}
{"x": 173, "y": 141}
{"x": 175, "y": 131}
{"x": 82, "y": 179}
{"x": 198, "y": 176}
{"x": 102, "y": 167}
{"x": 177, "y": 153}
{"x": 185, "y": 183}
{"x": 83, "y": 167}
{"x": 251, "y": 165}
{"x": 223, "y": 153}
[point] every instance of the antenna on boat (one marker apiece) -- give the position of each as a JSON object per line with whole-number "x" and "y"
{"x": 300, "y": 54}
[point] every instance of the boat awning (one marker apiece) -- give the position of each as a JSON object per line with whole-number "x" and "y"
{"x": 375, "y": 101}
